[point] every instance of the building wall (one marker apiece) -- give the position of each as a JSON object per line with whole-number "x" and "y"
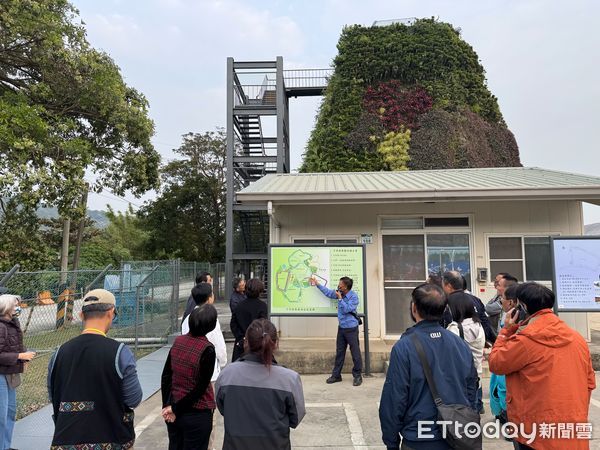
{"x": 521, "y": 217}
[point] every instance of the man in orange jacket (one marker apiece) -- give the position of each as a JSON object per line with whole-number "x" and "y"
{"x": 549, "y": 374}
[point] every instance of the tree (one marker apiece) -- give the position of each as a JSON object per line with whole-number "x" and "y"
{"x": 21, "y": 241}
{"x": 187, "y": 220}
{"x": 65, "y": 109}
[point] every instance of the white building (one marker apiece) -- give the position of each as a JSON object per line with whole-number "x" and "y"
{"x": 492, "y": 219}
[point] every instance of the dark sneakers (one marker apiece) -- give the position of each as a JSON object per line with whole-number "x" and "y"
{"x": 333, "y": 379}
{"x": 357, "y": 381}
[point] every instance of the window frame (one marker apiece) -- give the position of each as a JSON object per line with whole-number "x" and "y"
{"x": 523, "y": 258}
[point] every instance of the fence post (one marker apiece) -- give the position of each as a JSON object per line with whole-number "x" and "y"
{"x": 137, "y": 306}
{"x": 88, "y": 288}
{"x": 8, "y": 276}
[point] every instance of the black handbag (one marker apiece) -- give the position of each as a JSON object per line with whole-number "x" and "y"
{"x": 461, "y": 414}
{"x": 356, "y": 317}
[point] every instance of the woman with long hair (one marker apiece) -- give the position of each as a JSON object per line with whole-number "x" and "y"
{"x": 259, "y": 400}
{"x": 466, "y": 324}
{"x": 13, "y": 359}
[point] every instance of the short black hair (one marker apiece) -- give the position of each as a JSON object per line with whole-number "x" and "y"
{"x": 430, "y": 301}
{"x": 502, "y": 274}
{"x": 509, "y": 277}
{"x": 435, "y": 278}
{"x": 347, "y": 282}
{"x": 511, "y": 292}
{"x": 462, "y": 307}
{"x": 535, "y": 297}
{"x": 254, "y": 288}
{"x": 203, "y": 320}
{"x": 454, "y": 279}
{"x": 201, "y": 293}
{"x": 236, "y": 282}
{"x": 95, "y": 310}
{"x": 202, "y": 277}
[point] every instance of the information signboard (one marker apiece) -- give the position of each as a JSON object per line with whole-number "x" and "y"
{"x": 292, "y": 266}
{"x": 576, "y": 265}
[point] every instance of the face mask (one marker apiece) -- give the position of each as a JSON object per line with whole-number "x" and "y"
{"x": 17, "y": 312}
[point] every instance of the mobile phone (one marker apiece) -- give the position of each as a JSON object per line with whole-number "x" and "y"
{"x": 517, "y": 313}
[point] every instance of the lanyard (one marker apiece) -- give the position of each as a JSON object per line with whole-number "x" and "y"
{"x": 95, "y": 331}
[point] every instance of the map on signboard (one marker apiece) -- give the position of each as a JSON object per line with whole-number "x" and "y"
{"x": 293, "y": 278}
{"x": 293, "y": 267}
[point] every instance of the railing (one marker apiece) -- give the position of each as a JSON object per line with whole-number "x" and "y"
{"x": 306, "y": 78}
{"x": 264, "y": 94}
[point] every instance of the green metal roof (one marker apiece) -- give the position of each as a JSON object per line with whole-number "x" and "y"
{"x": 423, "y": 185}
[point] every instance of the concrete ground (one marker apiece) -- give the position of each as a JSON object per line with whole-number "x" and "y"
{"x": 338, "y": 416}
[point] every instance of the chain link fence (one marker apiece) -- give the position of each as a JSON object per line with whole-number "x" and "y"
{"x": 150, "y": 296}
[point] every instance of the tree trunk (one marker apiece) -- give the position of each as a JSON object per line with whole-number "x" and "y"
{"x": 80, "y": 231}
{"x": 64, "y": 255}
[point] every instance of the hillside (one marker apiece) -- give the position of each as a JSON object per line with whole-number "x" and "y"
{"x": 408, "y": 96}
{"x": 99, "y": 217}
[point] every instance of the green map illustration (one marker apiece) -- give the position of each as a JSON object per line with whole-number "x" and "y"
{"x": 291, "y": 270}
{"x": 293, "y": 279}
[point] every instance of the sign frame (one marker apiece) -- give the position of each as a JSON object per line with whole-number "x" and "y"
{"x": 558, "y": 310}
{"x": 364, "y": 315}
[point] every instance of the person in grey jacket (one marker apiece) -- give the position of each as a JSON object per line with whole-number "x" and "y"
{"x": 259, "y": 400}
{"x": 494, "y": 307}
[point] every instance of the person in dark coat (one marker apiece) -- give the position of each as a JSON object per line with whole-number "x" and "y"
{"x": 406, "y": 400}
{"x": 247, "y": 311}
{"x": 13, "y": 359}
{"x": 188, "y": 397}
{"x": 239, "y": 293}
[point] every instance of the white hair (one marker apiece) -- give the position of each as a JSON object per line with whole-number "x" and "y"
{"x": 7, "y": 303}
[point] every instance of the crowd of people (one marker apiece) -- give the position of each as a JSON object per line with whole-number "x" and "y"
{"x": 541, "y": 371}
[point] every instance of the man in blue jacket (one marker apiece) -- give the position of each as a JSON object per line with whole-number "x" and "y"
{"x": 347, "y": 334}
{"x": 406, "y": 399}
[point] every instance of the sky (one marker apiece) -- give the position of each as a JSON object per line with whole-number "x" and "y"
{"x": 540, "y": 56}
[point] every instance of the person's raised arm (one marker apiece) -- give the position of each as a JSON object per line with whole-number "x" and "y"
{"x": 326, "y": 291}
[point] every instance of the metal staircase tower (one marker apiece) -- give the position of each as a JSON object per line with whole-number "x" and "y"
{"x": 258, "y": 143}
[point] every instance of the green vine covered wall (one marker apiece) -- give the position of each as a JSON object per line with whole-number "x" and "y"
{"x": 408, "y": 97}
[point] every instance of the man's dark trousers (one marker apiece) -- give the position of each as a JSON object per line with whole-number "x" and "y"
{"x": 345, "y": 337}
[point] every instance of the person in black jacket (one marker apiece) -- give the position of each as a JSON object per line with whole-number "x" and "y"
{"x": 238, "y": 295}
{"x": 247, "y": 311}
{"x": 188, "y": 397}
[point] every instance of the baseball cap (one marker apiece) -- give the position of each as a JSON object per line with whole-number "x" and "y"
{"x": 97, "y": 296}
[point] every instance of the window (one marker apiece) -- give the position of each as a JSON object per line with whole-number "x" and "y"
{"x": 446, "y": 222}
{"x": 309, "y": 241}
{"x": 527, "y": 257}
{"x": 326, "y": 240}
